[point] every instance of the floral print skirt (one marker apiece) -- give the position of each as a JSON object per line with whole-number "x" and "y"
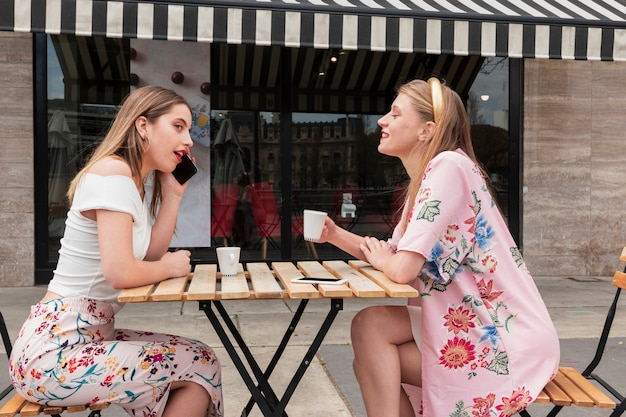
{"x": 69, "y": 352}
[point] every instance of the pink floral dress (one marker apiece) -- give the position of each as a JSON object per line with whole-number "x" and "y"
{"x": 488, "y": 343}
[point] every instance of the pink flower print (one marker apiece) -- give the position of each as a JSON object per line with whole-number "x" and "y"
{"x": 518, "y": 401}
{"x": 486, "y": 292}
{"x": 490, "y": 262}
{"x": 424, "y": 195}
{"x": 459, "y": 320}
{"x": 426, "y": 171}
{"x": 108, "y": 381}
{"x": 482, "y": 406}
{"x": 457, "y": 353}
{"x": 472, "y": 223}
{"x": 73, "y": 365}
{"x": 451, "y": 233}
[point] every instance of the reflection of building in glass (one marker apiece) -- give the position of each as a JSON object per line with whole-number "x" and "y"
{"x": 325, "y": 154}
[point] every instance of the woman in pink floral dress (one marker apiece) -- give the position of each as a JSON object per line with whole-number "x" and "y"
{"x": 478, "y": 340}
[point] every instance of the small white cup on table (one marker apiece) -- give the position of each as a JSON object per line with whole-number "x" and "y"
{"x": 314, "y": 224}
{"x": 228, "y": 259}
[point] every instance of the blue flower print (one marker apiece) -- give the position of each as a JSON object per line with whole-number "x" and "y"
{"x": 484, "y": 232}
{"x": 436, "y": 252}
{"x": 489, "y": 332}
{"x": 432, "y": 264}
{"x": 432, "y": 272}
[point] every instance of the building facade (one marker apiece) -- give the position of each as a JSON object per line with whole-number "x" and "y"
{"x": 565, "y": 122}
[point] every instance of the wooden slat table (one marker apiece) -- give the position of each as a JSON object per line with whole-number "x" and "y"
{"x": 259, "y": 281}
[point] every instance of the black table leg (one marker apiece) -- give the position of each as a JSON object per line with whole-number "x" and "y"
{"x": 245, "y": 375}
{"x": 262, "y": 394}
{"x": 281, "y": 347}
{"x": 336, "y": 305}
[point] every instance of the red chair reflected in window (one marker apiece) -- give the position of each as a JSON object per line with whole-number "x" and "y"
{"x": 223, "y": 204}
{"x": 265, "y": 211}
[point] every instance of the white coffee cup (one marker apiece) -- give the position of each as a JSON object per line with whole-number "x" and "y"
{"x": 313, "y": 224}
{"x": 228, "y": 260}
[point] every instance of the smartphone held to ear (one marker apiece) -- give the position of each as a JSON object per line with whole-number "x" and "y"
{"x": 185, "y": 169}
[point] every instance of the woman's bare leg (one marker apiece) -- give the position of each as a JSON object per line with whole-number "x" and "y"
{"x": 406, "y": 407}
{"x": 385, "y": 355}
{"x": 187, "y": 399}
{"x": 411, "y": 371}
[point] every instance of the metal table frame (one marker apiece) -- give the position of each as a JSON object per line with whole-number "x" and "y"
{"x": 262, "y": 393}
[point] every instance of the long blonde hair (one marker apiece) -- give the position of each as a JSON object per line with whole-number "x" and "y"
{"x": 436, "y": 102}
{"x": 124, "y": 141}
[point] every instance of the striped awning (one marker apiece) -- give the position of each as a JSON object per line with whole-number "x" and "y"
{"x": 560, "y": 29}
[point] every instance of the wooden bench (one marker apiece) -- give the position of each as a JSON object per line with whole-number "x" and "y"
{"x": 18, "y": 406}
{"x": 573, "y": 388}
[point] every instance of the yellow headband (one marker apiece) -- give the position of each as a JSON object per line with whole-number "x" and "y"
{"x": 436, "y": 93}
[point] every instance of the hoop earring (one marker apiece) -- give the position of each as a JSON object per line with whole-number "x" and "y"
{"x": 436, "y": 93}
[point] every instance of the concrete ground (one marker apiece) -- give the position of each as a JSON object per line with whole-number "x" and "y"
{"x": 577, "y": 305}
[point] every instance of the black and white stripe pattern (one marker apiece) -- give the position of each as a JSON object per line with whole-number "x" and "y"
{"x": 562, "y": 29}
{"x": 89, "y": 76}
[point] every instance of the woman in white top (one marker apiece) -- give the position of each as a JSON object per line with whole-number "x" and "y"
{"x": 69, "y": 351}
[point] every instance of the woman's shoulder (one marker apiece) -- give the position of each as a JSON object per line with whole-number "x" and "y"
{"x": 451, "y": 160}
{"x": 457, "y": 156}
{"x": 110, "y": 166}
{"x": 113, "y": 192}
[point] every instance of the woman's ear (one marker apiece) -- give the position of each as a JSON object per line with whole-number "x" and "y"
{"x": 426, "y": 131}
{"x": 141, "y": 124}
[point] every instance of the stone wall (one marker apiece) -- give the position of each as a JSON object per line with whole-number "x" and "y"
{"x": 17, "y": 236}
{"x": 574, "y": 167}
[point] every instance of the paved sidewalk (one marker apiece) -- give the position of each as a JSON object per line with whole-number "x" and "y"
{"x": 577, "y": 305}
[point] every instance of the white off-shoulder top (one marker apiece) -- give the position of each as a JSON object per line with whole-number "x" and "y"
{"x": 79, "y": 270}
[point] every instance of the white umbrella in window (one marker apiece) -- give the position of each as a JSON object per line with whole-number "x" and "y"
{"x": 62, "y": 169}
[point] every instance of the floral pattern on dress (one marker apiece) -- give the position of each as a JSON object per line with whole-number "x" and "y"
{"x": 82, "y": 359}
{"x": 478, "y": 300}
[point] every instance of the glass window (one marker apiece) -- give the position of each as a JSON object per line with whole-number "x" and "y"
{"x": 246, "y": 212}
{"x": 84, "y": 90}
{"x": 334, "y": 163}
{"x": 345, "y": 176}
{"x": 488, "y": 109}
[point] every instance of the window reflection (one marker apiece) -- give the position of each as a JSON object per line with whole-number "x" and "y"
{"x": 488, "y": 106}
{"x": 345, "y": 176}
{"x": 335, "y": 164}
{"x": 80, "y": 111}
{"x": 335, "y": 167}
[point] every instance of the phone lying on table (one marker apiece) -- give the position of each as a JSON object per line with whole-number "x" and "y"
{"x": 313, "y": 280}
{"x": 185, "y": 169}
